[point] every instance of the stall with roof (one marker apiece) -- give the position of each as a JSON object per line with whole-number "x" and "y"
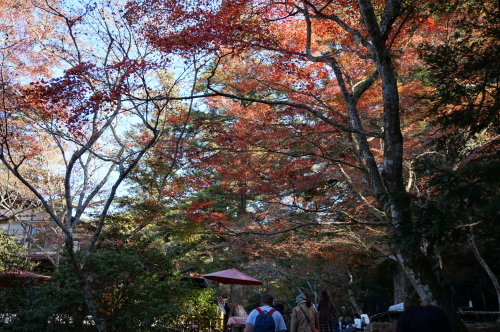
{"x": 232, "y": 277}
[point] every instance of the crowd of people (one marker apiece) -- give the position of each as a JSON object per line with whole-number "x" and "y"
{"x": 306, "y": 317}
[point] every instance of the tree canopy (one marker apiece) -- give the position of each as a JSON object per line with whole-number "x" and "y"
{"x": 316, "y": 143}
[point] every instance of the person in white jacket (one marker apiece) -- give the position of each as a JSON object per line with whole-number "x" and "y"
{"x": 358, "y": 323}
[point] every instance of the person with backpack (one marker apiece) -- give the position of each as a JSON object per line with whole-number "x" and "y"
{"x": 304, "y": 316}
{"x": 265, "y": 318}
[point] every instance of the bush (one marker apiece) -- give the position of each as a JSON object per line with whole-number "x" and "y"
{"x": 135, "y": 288}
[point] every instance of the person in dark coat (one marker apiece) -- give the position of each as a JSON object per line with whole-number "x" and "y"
{"x": 325, "y": 307}
{"x": 340, "y": 324}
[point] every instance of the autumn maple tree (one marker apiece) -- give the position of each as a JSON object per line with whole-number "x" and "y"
{"x": 97, "y": 111}
{"x": 312, "y": 93}
{"x": 310, "y": 126}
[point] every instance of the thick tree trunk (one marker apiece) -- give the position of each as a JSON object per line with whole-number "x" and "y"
{"x": 399, "y": 278}
{"x": 396, "y": 201}
{"x": 418, "y": 270}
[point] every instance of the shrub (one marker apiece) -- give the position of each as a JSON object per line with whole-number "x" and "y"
{"x": 136, "y": 288}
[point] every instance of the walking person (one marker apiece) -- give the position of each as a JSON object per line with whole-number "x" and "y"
{"x": 265, "y": 318}
{"x": 304, "y": 316}
{"x": 325, "y": 307}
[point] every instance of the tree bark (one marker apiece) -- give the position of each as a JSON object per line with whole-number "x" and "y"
{"x": 493, "y": 277}
{"x": 419, "y": 271}
{"x": 101, "y": 327}
{"x": 396, "y": 202}
{"x": 354, "y": 303}
{"x": 399, "y": 278}
{"x": 87, "y": 292}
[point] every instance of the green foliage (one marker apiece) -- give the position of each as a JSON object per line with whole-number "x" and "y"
{"x": 136, "y": 288}
{"x": 465, "y": 71}
{"x": 468, "y": 194}
{"x": 12, "y": 254}
{"x": 460, "y": 178}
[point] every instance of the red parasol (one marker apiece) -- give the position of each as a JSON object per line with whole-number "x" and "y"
{"x": 22, "y": 274}
{"x": 10, "y": 276}
{"x": 232, "y": 277}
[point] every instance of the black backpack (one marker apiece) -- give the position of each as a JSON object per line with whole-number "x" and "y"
{"x": 264, "y": 321}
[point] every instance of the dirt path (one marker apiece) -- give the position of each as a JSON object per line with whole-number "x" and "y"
{"x": 483, "y": 327}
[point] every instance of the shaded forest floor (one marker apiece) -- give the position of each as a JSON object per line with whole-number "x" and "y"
{"x": 472, "y": 327}
{"x": 483, "y": 327}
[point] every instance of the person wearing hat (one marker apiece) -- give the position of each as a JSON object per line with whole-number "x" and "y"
{"x": 304, "y": 316}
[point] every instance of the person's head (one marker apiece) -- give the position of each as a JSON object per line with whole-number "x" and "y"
{"x": 303, "y": 297}
{"x": 267, "y": 299}
{"x": 357, "y": 316}
{"x": 220, "y": 298}
{"x": 300, "y": 297}
{"x": 324, "y": 294}
{"x": 341, "y": 318}
{"x": 423, "y": 318}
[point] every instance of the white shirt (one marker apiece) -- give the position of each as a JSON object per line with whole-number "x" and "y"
{"x": 222, "y": 306}
{"x": 279, "y": 322}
